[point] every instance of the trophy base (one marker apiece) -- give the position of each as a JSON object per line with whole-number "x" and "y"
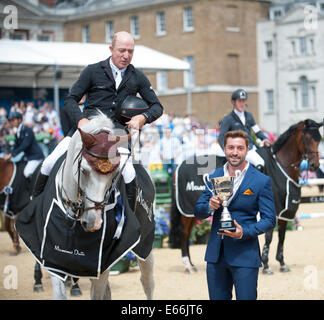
{"x": 227, "y": 225}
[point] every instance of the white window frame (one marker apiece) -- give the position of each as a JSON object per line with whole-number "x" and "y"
{"x": 160, "y": 23}
{"x": 304, "y": 92}
{"x": 268, "y": 49}
{"x": 135, "y": 27}
{"x": 188, "y": 19}
{"x": 109, "y": 31}
{"x": 86, "y": 34}
{"x": 189, "y": 75}
{"x": 270, "y": 101}
{"x": 273, "y": 12}
{"x": 162, "y": 80}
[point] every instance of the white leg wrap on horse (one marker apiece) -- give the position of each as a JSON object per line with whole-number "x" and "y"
{"x": 254, "y": 158}
{"x": 59, "y": 291}
{"x": 128, "y": 171}
{"x": 50, "y": 161}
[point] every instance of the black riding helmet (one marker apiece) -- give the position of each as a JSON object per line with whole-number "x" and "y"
{"x": 130, "y": 107}
{"x": 15, "y": 115}
{"x": 239, "y": 94}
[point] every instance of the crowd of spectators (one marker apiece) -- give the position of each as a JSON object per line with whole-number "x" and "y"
{"x": 169, "y": 140}
{"x": 43, "y": 121}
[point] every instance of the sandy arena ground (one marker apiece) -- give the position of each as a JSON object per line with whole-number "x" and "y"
{"x": 303, "y": 254}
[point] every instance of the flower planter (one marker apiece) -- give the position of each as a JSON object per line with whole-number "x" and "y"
{"x": 158, "y": 241}
{"x": 121, "y": 266}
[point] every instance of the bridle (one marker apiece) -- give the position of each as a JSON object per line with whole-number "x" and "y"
{"x": 76, "y": 209}
{"x": 306, "y": 155}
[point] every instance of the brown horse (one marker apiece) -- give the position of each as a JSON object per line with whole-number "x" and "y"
{"x": 299, "y": 142}
{"x": 7, "y": 170}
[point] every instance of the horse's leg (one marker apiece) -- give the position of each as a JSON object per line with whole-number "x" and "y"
{"x": 186, "y": 222}
{"x": 100, "y": 289}
{"x": 75, "y": 290}
{"x": 9, "y": 225}
{"x": 146, "y": 267}
{"x": 59, "y": 292}
{"x": 265, "y": 252}
{"x": 38, "y": 286}
{"x": 282, "y": 226}
{"x": 193, "y": 222}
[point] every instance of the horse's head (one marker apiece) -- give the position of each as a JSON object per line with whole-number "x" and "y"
{"x": 94, "y": 170}
{"x": 310, "y": 141}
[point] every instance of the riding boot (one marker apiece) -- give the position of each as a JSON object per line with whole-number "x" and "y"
{"x": 39, "y": 184}
{"x": 131, "y": 190}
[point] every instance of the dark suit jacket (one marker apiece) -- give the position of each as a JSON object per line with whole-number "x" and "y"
{"x": 98, "y": 82}
{"x": 233, "y": 122}
{"x": 28, "y": 144}
{"x": 253, "y": 195}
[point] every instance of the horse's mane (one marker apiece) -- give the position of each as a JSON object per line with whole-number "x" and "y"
{"x": 284, "y": 137}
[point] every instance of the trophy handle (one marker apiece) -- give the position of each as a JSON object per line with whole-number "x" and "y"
{"x": 205, "y": 179}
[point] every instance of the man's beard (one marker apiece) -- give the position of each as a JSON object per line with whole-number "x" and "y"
{"x": 236, "y": 164}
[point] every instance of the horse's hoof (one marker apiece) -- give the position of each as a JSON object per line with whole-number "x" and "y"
{"x": 16, "y": 251}
{"x": 194, "y": 269}
{"x": 284, "y": 269}
{"x": 75, "y": 291}
{"x": 267, "y": 271}
{"x": 38, "y": 288}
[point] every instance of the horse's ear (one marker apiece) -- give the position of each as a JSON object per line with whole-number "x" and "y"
{"x": 88, "y": 140}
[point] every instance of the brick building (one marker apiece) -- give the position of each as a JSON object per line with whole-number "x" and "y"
{"x": 217, "y": 37}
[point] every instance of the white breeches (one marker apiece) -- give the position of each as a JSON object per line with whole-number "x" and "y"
{"x": 50, "y": 161}
{"x": 128, "y": 172}
{"x": 31, "y": 167}
{"x": 254, "y": 158}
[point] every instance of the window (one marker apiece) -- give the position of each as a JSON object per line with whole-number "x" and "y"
{"x": 85, "y": 34}
{"x": 295, "y": 97}
{"x": 312, "y": 47}
{"x": 20, "y": 34}
{"x": 189, "y": 75}
{"x": 134, "y": 27}
{"x": 162, "y": 80}
{"x": 268, "y": 49}
{"x": 160, "y": 24}
{"x": 303, "y": 45}
{"x": 270, "y": 102}
{"x": 304, "y": 92}
{"x": 276, "y": 13}
{"x": 109, "y": 31}
{"x": 188, "y": 19}
{"x": 313, "y": 93}
{"x": 293, "y": 48}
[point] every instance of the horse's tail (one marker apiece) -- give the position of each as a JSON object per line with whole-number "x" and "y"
{"x": 176, "y": 228}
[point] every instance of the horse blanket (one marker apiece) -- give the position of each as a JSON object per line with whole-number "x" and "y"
{"x": 189, "y": 184}
{"x": 60, "y": 244}
{"x": 286, "y": 192}
{"x": 15, "y": 196}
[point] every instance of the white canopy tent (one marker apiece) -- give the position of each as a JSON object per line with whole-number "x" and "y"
{"x": 25, "y": 62}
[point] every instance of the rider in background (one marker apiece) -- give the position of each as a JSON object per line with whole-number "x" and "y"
{"x": 239, "y": 119}
{"x": 25, "y": 142}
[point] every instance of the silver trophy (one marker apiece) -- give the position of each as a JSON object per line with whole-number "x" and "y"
{"x": 223, "y": 188}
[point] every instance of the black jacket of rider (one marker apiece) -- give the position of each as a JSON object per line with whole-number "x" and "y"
{"x": 97, "y": 81}
{"x": 233, "y": 122}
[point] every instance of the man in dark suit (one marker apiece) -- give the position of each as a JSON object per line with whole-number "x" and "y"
{"x": 25, "y": 142}
{"x": 233, "y": 258}
{"x": 240, "y": 119}
{"x": 107, "y": 84}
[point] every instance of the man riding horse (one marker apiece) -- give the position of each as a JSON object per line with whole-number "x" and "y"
{"x": 110, "y": 85}
{"x": 239, "y": 119}
{"x": 25, "y": 142}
